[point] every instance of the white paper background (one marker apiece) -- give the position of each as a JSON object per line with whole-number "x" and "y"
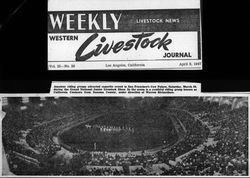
{"x": 181, "y": 42}
{"x": 67, "y": 5}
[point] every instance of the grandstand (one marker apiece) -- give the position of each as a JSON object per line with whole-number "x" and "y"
{"x": 126, "y": 136}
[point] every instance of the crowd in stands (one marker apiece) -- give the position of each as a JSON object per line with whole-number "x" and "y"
{"x": 102, "y": 172}
{"x": 228, "y": 152}
{"x": 43, "y": 118}
{"x": 215, "y": 140}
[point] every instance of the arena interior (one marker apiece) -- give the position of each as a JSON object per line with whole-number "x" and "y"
{"x": 125, "y": 136}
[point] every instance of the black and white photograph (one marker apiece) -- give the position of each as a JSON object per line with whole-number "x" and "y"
{"x": 124, "y": 88}
{"x": 125, "y": 136}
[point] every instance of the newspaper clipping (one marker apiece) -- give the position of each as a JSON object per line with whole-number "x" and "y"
{"x": 98, "y": 134}
{"x": 124, "y": 35}
{"x": 122, "y": 88}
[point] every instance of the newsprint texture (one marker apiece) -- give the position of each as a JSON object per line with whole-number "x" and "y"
{"x": 197, "y": 134}
{"x": 124, "y": 35}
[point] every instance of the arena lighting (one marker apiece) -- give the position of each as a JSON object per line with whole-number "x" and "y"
{"x": 23, "y": 108}
{"x": 2, "y": 114}
{"x": 25, "y": 100}
{"x": 5, "y": 101}
{"x": 129, "y": 97}
{"x": 132, "y": 97}
{"x": 42, "y": 98}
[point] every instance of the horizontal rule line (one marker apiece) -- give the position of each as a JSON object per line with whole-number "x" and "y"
{"x": 131, "y": 60}
{"x": 128, "y": 69}
{"x": 124, "y": 10}
{"x": 70, "y": 32}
